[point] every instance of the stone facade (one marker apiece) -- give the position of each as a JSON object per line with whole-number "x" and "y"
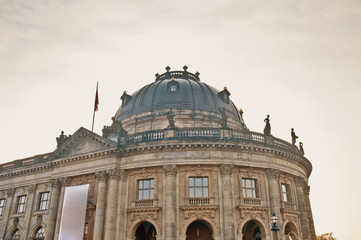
{"x": 153, "y": 182}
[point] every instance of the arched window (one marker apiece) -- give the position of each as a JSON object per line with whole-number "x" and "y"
{"x": 40, "y": 234}
{"x": 15, "y": 235}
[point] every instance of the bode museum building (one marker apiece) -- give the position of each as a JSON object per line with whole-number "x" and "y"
{"x": 177, "y": 163}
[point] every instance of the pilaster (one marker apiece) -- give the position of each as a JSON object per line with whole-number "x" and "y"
{"x": 112, "y": 202}
{"x": 170, "y": 173}
{"x": 228, "y": 210}
{"x": 100, "y": 209}
{"x": 273, "y": 176}
{"x": 300, "y": 184}
{"x": 121, "y": 213}
{"x": 64, "y": 182}
{"x": 53, "y": 209}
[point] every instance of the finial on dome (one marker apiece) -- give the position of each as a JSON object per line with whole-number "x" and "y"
{"x": 125, "y": 92}
{"x": 167, "y": 68}
{"x": 185, "y": 68}
{"x": 225, "y": 88}
{"x": 172, "y": 78}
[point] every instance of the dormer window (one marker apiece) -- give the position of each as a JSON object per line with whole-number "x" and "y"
{"x": 224, "y": 95}
{"x": 173, "y": 87}
{"x": 125, "y": 98}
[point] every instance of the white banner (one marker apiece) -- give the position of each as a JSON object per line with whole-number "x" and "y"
{"x": 73, "y": 214}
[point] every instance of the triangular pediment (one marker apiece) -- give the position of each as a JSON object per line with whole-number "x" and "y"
{"x": 82, "y": 142}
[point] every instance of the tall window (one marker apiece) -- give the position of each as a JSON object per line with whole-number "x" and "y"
{"x": 145, "y": 189}
{"x": 2, "y": 204}
{"x": 286, "y": 192}
{"x": 43, "y": 201}
{"x": 15, "y": 235}
{"x": 21, "y": 204}
{"x": 40, "y": 234}
{"x": 198, "y": 187}
{"x": 249, "y": 188}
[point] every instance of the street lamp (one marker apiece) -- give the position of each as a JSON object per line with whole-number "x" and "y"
{"x": 275, "y": 229}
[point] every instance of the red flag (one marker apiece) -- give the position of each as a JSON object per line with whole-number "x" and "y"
{"x": 96, "y": 100}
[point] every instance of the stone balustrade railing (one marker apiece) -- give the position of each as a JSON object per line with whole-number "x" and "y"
{"x": 251, "y": 201}
{"x": 179, "y": 134}
{"x": 197, "y": 201}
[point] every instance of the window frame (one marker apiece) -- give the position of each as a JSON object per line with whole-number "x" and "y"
{"x": 15, "y": 234}
{"x": 202, "y": 187}
{"x": 20, "y": 206}
{"x": 253, "y": 189}
{"x": 37, "y": 232}
{"x": 286, "y": 193}
{"x": 42, "y": 201}
{"x": 2, "y": 206}
{"x": 142, "y": 190}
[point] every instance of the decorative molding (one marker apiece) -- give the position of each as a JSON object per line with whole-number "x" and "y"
{"x": 199, "y": 212}
{"x": 306, "y": 189}
{"x": 143, "y": 213}
{"x": 65, "y": 181}
{"x": 31, "y": 188}
{"x": 102, "y": 176}
{"x": 300, "y": 182}
{"x": 10, "y": 192}
{"x": 123, "y": 175}
{"x": 114, "y": 174}
{"x": 226, "y": 169}
{"x": 54, "y": 183}
{"x": 272, "y": 174}
{"x": 170, "y": 170}
{"x": 39, "y": 219}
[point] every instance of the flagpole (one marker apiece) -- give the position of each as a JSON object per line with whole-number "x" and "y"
{"x": 95, "y": 106}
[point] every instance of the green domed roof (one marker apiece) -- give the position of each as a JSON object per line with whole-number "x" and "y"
{"x": 179, "y": 90}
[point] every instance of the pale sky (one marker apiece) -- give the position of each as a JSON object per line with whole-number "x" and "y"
{"x": 298, "y": 61}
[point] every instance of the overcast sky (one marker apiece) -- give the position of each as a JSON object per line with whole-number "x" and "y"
{"x": 298, "y": 61}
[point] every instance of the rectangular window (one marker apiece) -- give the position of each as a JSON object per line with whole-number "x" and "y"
{"x": 145, "y": 189}
{"x": 21, "y": 204}
{"x": 43, "y": 201}
{"x": 249, "y": 188}
{"x": 2, "y": 205}
{"x": 198, "y": 187}
{"x": 286, "y": 192}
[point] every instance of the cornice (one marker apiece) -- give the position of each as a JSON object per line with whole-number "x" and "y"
{"x": 51, "y": 164}
{"x": 157, "y": 146}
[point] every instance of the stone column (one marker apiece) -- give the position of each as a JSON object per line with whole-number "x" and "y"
{"x": 300, "y": 184}
{"x": 275, "y": 195}
{"x": 170, "y": 173}
{"x": 309, "y": 213}
{"x": 100, "y": 205}
{"x": 64, "y": 182}
{"x": 121, "y": 216}
{"x": 29, "y": 209}
{"x": 112, "y": 203}
{"x": 7, "y": 209}
{"x": 228, "y": 211}
{"x": 53, "y": 209}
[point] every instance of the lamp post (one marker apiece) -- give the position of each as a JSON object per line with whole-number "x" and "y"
{"x": 275, "y": 229}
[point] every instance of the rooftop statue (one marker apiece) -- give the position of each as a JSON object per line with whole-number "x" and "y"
{"x": 267, "y": 128}
{"x": 224, "y": 118}
{"x": 294, "y": 137}
{"x": 301, "y": 148}
{"x": 62, "y": 138}
{"x": 170, "y": 116}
